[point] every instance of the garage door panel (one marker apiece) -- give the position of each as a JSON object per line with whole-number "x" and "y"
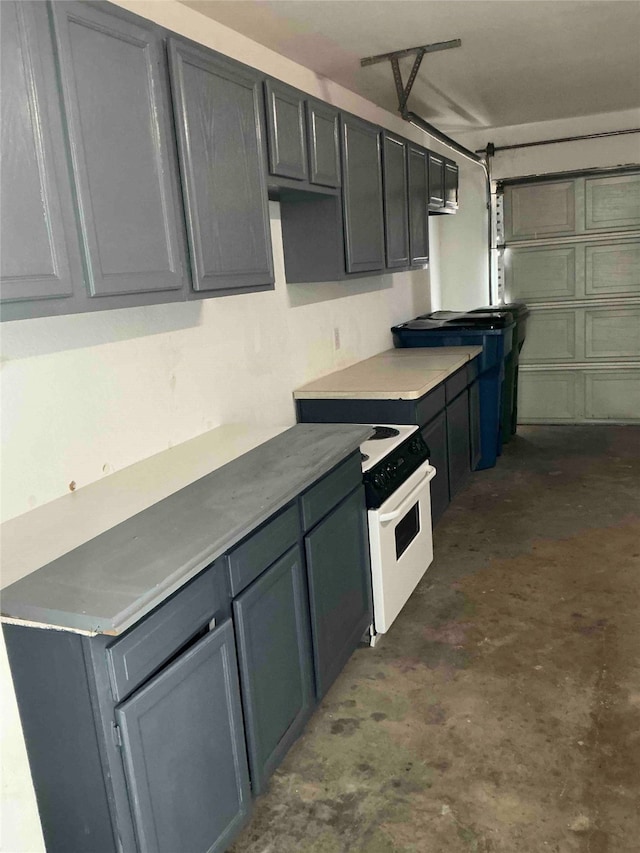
{"x": 612, "y": 202}
{"x": 554, "y": 396}
{"x": 551, "y": 337}
{"x": 543, "y": 274}
{"x": 612, "y": 395}
{"x": 540, "y": 210}
{"x": 613, "y": 269}
{"x": 612, "y": 333}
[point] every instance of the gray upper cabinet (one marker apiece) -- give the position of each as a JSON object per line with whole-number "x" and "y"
{"x": 323, "y": 134}
{"x": 40, "y": 257}
{"x": 450, "y": 186}
{"x": 286, "y": 131}
{"x": 116, "y": 99}
{"x": 418, "y": 168}
{"x": 436, "y": 181}
{"x": 362, "y": 196}
{"x": 218, "y": 108}
{"x": 396, "y": 206}
{"x": 184, "y": 752}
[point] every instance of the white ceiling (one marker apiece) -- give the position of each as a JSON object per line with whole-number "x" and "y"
{"x": 520, "y": 61}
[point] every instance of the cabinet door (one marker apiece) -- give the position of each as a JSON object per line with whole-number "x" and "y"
{"x": 218, "y": 108}
{"x": 40, "y": 257}
{"x": 286, "y": 132}
{"x": 184, "y": 752}
{"x": 339, "y": 576}
{"x": 436, "y": 181}
{"x": 418, "y": 205}
{"x": 474, "y": 424}
{"x": 274, "y": 649}
{"x": 458, "y": 442}
{"x": 435, "y": 434}
{"x": 117, "y": 106}
{"x": 450, "y": 185}
{"x": 324, "y": 152}
{"x": 362, "y": 196}
{"x": 396, "y": 226}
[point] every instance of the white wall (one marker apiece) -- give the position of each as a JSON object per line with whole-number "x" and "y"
{"x": 85, "y": 395}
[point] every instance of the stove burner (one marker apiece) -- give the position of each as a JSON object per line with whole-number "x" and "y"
{"x": 364, "y": 457}
{"x": 381, "y": 432}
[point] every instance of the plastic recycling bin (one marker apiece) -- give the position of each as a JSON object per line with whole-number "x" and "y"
{"x": 519, "y": 312}
{"x": 493, "y": 331}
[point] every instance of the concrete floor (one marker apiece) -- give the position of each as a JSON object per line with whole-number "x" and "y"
{"x": 501, "y": 713}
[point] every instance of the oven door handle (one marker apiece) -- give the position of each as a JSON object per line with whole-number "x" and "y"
{"x": 389, "y": 516}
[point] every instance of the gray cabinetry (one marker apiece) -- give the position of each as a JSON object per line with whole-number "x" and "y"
{"x": 339, "y": 587}
{"x": 286, "y": 131}
{"x": 475, "y": 443}
{"x": 458, "y": 442}
{"x": 184, "y": 753}
{"x": 436, "y": 181}
{"x": 396, "y": 208}
{"x": 323, "y": 132}
{"x": 117, "y": 107}
{"x": 362, "y": 195}
{"x": 450, "y": 186}
{"x": 435, "y": 434}
{"x": 418, "y": 169}
{"x": 272, "y": 630}
{"x": 218, "y": 107}
{"x": 40, "y": 257}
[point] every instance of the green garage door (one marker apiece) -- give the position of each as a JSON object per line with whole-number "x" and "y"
{"x": 572, "y": 253}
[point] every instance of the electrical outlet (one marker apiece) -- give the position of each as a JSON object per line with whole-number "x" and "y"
{"x": 336, "y": 338}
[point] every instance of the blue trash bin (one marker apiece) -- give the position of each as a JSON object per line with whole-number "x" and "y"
{"x": 493, "y": 331}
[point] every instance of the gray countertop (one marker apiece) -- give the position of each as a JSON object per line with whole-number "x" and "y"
{"x": 108, "y": 583}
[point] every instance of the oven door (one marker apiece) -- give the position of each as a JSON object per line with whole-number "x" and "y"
{"x": 401, "y": 545}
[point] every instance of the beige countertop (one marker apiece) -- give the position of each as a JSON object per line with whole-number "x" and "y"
{"x": 396, "y": 374}
{"x": 35, "y": 538}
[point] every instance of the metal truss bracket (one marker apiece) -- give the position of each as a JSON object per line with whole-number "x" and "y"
{"x": 403, "y": 91}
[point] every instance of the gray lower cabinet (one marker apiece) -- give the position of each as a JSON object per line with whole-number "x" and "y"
{"x": 41, "y": 253}
{"x": 458, "y": 442}
{"x": 122, "y": 149}
{"x": 475, "y": 442}
{"x": 184, "y": 753}
{"x": 339, "y": 587}
{"x": 274, "y": 649}
{"x": 418, "y": 170}
{"x": 362, "y": 195}
{"x": 435, "y": 434}
{"x": 396, "y": 201}
{"x": 219, "y": 108}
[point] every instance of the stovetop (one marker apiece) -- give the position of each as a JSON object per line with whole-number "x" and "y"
{"x": 390, "y": 456}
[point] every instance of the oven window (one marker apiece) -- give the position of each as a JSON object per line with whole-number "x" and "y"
{"x": 407, "y": 530}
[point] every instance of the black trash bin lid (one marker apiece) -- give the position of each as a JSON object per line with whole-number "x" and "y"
{"x": 488, "y": 320}
{"x": 519, "y": 310}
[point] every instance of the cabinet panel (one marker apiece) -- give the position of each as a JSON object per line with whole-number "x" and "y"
{"x": 613, "y": 269}
{"x": 323, "y": 135}
{"x": 184, "y": 752}
{"x": 436, "y": 181}
{"x": 543, "y": 273}
{"x": 286, "y": 132}
{"x": 262, "y": 548}
{"x": 540, "y": 210}
{"x": 450, "y": 185}
{"x": 475, "y": 440}
{"x": 40, "y": 257}
{"x": 362, "y": 196}
{"x": 458, "y": 442}
{"x": 612, "y": 202}
{"x": 323, "y": 496}
{"x": 337, "y": 553}
{"x": 396, "y": 226}
{"x": 117, "y": 106}
{"x": 218, "y": 110}
{"x": 274, "y": 650}
{"x": 435, "y": 434}
{"x": 418, "y": 205}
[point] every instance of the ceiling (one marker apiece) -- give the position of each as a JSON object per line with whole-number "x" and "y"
{"x": 520, "y": 61}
